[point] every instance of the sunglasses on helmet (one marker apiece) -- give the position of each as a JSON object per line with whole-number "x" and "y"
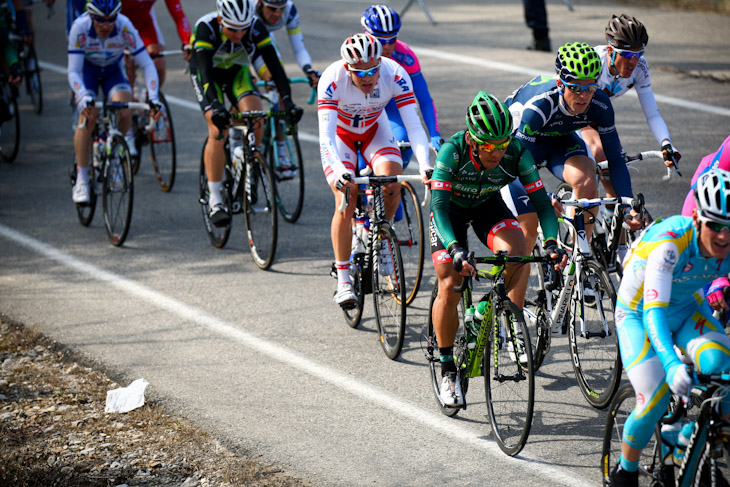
{"x": 361, "y": 73}
{"x": 578, "y": 89}
{"x": 104, "y": 20}
{"x": 626, "y": 54}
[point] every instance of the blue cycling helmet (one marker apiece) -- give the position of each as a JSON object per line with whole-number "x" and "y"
{"x": 104, "y": 8}
{"x": 380, "y": 21}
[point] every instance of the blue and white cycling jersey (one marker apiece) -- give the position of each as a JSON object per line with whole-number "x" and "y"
{"x": 541, "y": 119}
{"x": 88, "y": 52}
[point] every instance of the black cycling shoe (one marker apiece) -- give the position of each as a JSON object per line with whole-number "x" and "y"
{"x": 621, "y": 478}
{"x": 219, "y": 216}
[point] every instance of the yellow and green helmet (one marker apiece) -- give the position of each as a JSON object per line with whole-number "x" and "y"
{"x": 577, "y": 60}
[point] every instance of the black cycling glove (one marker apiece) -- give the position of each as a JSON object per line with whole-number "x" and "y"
{"x": 312, "y": 74}
{"x": 293, "y": 112}
{"x": 551, "y": 247}
{"x": 221, "y": 118}
{"x": 458, "y": 254}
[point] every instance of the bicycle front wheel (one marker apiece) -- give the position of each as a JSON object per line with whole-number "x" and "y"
{"x": 10, "y": 129}
{"x": 593, "y": 340}
{"x": 433, "y": 357}
{"x": 650, "y": 462}
{"x": 535, "y": 311}
{"x": 353, "y": 316}
{"x": 162, "y": 148}
{"x": 118, "y": 192}
{"x": 408, "y": 226}
{"x": 389, "y": 294}
{"x": 259, "y": 211}
{"x": 288, "y": 172}
{"x": 509, "y": 380}
{"x": 33, "y": 79}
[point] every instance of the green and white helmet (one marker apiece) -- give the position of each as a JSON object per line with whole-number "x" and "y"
{"x": 487, "y": 118}
{"x": 577, "y": 60}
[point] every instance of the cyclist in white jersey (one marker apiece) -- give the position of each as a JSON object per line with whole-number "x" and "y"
{"x": 96, "y": 44}
{"x": 624, "y": 67}
{"x": 352, "y": 95}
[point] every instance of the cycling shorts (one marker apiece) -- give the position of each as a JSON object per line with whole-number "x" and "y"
{"x": 376, "y": 145}
{"x": 487, "y": 220}
{"x": 700, "y": 338}
{"x": 235, "y": 82}
{"x": 111, "y": 78}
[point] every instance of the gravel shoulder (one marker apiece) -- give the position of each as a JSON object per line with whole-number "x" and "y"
{"x": 54, "y": 432}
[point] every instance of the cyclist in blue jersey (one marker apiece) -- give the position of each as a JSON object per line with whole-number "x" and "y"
{"x": 661, "y": 305}
{"x": 383, "y": 23}
{"x": 96, "y": 44}
{"x": 548, "y": 114}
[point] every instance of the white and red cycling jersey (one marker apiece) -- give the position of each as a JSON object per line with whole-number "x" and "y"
{"x": 348, "y": 117}
{"x": 142, "y": 15}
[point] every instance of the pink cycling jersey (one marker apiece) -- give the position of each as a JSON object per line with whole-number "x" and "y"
{"x": 718, "y": 159}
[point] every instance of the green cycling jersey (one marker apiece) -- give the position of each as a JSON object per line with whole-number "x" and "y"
{"x": 458, "y": 179}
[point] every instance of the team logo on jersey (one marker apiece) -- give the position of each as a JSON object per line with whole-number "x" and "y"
{"x": 81, "y": 40}
{"x": 687, "y": 268}
{"x": 531, "y": 188}
{"x": 402, "y": 83}
{"x": 640, "y": 399}
{"x": 651, "y": 294}
{"x": 669, "y": 234}
{"x": 670, "y": 257}
{"x": 129, "y": 38}
{"x": 701, "y": 325}
{"x": 330, "y": 89}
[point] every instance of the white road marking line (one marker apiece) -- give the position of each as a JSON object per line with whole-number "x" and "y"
{"x": 380, "y": 397}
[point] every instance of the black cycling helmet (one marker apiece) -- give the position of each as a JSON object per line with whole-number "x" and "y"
{"x": 626, "y": 32}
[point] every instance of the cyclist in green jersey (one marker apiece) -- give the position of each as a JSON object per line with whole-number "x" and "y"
{"x": 471, "y": 168}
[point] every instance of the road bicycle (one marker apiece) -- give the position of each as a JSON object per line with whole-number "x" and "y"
{"x": 110, "y": 172}
{"x": 9, "y": 120}
{"x": 31, "y": 71}
{"x": 706, "y": 455}
{"x": 509, "y": 380}
{"x": 159, "y": 135}
{"x": 248, "y": 188}
{"x": 377, "y": 266}
{"x": 289, "y": 180}
{"x": 580, "y": 302}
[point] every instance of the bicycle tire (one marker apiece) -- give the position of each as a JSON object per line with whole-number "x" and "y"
{"x": 353, "y": 316}
{"x": 162, "y": 148}
{"x": 218, "y": 235}
{"x": 259, "y": 211}
{"x": 536, "y": 315}
{"x": 10, "y": 129}
{"x": 595, "y": 357}
{"x": 650, "y": 462}
{"x": 118, "y": 191}
{"x": 509, "y": 384}
{"x": 411, "y": 237}
{"x": 707, "y": 469}
{"x": 389, "y": 297}
{"x": 565, "y": 234}
{"x": 33, "y": 79}
{"x": 289, "y": 190}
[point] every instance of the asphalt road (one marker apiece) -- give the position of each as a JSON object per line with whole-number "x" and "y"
{"x": 263, "y": 359}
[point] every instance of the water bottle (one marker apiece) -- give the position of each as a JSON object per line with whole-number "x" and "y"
{"x": 471, "y": 337}
{"x": 358, "y": 236}
{"x": 682, "y": 442}
{"x": 234, "y": 141}
{"x": 670, "y": 436}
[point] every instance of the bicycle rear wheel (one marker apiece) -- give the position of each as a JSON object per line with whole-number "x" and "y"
{"x": 389, "y": 295}
{"x": 353, "y": 316}
{"x": 594, "y": 350}
{"x": 434, "y": 357}
{"x": 650, "y": 462}
{"x": 33, "y": 79}
{"x": 118, "y": 192}
{"x": 218, "y": 235}
{"x": 408, "y": 226}
{"x": 509, "y": 379}
{"x": 259, "y": 211}
{"x": 289, "y": 181}
{"x": 10, "y": 129}
{"x": 162, "y": 148}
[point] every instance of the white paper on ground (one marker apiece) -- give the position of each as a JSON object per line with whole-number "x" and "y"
{"x": 127, "y": 398}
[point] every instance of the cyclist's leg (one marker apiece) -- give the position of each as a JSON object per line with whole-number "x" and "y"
{"x": 647, "y": 376}
{"x": 383, "y": 155}
{"x": 516, "y": 199}
{"x": 116, "y": 88}
{"x": 501, "y": 231}
{"x": 247, "y": 98}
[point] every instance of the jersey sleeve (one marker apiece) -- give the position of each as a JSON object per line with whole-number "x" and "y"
{"x": 181, "y": 21}
{"x": 657, "y": 292}
{"x": 203, "y": 50}
{"x": 327, "y": 107}
{"x": 296, "y": 39}
{"x": 425, "y": 102}
{"x": 76, "y": 60}
{"x": 263, "y": 44}
{"x": 442, "y": 179}
{"x": 405, "y": 100}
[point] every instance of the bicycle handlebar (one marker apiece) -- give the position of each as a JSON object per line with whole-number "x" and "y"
{"x": 651, "y": 154}
{"x": 117, "y": 105}
{"x": 301, "y": 79}
{"x": 500, "y": 258}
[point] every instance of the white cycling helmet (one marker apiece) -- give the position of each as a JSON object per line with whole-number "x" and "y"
{"x": 361, "y": 48}
{"x": 712, "y": 195}
{"x": 236, "y": 14}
